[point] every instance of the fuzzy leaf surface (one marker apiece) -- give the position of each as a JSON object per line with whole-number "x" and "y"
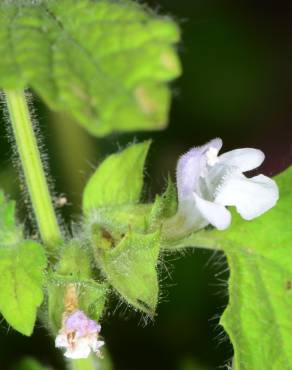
{"x": 105, "y": 62}
{"x": 259, "y": 254}
{"x": 165, "y": 206}
{"x": 258, "y": 316}
{"x": 130, "y": 268}
{"x": 118, "y": 220}
{"x": 22, "y": 276}
{"x": 118, "y": 180}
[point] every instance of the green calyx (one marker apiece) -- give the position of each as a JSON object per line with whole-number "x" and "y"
{"x": 73, "y": 285}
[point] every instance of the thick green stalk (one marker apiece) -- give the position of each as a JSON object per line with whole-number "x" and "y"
{"x": 32, "y": 166}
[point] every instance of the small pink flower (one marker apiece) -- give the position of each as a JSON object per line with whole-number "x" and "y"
{"x": 79, "y": 335}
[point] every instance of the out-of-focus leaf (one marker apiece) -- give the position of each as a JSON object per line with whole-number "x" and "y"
{"x": 30, "y": 364}
{"x": 10, "y": 232}
{"x": 105, "y": 62}
{"x": 118, "y": 180}
{"x": 92, "y": 362}
{"x": 190, "y": 364}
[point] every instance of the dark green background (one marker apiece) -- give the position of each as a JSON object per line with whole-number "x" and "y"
{"x": 237, "y": 80}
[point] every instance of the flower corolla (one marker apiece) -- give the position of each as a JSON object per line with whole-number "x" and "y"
{"x": 79, "y": 335}
{"x": 208, "y": 182}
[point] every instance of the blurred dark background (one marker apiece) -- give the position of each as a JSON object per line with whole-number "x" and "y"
{"x": 237, "y": 80}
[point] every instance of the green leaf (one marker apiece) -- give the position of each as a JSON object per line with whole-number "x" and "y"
{"x": 22, "y": 265}
{"x": 118, "y": 220}
{"x": 118, "y": 180}
{"x": 259, "y": 254}
{"x": 10, "y": 232}
{"x": 130, "y": 268}
{"x": 108, "y": 225}
{"x": 165, "y": 206}
{"x": 258, "y": 316}
{"x": 30, "y": 364}
{"x": 105, "y": 62}
{"x": 74, "y": 261}
{"x": 22, "y": 275}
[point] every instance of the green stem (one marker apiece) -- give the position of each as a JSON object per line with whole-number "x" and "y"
{"x": 32, "y": 167}
{"x": 83, "y": 364}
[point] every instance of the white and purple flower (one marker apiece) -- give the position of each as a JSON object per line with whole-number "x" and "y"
{"x": 79, "y": 335}
{"x": 207, "y": 183}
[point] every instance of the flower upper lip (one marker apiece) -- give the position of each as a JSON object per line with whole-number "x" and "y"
{"x": 206, "y": 183}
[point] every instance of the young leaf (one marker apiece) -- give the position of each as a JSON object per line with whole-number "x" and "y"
{"x": 22, "y": 274}
{"x": 165, "y": 205}
{"x": 106, "y": 62}
{"x": 118, "y": 180}
{"x": 74, "y": 261}
{"x": 130, "y": 268}
{"x": 118, "y": 220}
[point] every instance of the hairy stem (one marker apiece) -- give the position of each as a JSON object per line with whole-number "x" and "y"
{"x": 32, "y": 167}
